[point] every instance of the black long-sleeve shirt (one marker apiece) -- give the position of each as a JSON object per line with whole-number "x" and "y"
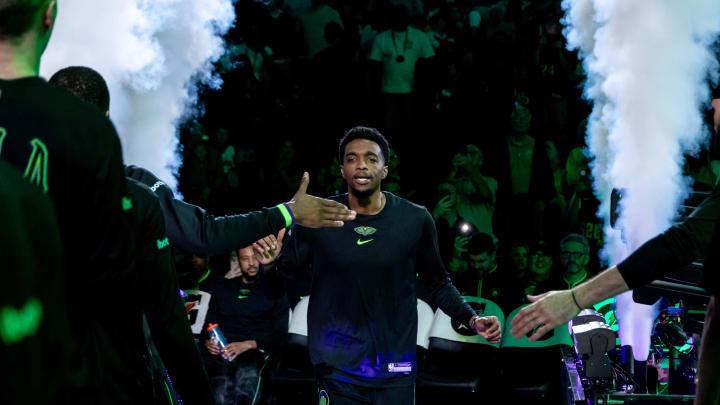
{"x": 362, "y": 318}
{"x": 257, "y": 311}
{"x": 677, "y": 246}
{"x": 192, "y": 229}
{"x": 35, "y": 339}
{"x": 71, "y": 151}
{"x": 157, "y": 295}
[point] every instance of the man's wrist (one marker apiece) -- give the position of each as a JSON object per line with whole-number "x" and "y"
{"x": 286, "y": 209}
{"x": 473, "y": 321}
{"x": 575, "y": 300}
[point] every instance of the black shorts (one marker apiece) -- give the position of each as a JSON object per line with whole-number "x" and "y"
{"x": 334, "y": 392}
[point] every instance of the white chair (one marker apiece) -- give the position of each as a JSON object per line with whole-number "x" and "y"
{"x": 445, "y": 328}
{"x": 425, "y": 319}
{"x": 454, "y": 353}
{"x": 298, "y": 322}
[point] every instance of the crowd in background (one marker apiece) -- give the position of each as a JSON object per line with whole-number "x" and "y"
{"x": 487, "y": 128}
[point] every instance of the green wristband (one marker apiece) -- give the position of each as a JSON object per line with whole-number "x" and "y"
{"x": 287, "y": 214}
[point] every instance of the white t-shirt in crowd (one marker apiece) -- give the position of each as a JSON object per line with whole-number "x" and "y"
{"x": 412, "y": 45}
{"x": 314, "y": 23}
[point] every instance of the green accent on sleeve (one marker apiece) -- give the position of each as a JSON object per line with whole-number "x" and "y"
{"x": 37, "y": 167}
{"x": 286, "y": 215}
{"x": 163, "y": 243}
{"x": 126, "y": 204}
{"x": 16, "y": 325}
{"x": 3, "y": 133}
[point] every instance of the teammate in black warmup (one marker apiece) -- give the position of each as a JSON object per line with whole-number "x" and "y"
{"x": 362, "y": 317}
{"x": 72, "y": 153}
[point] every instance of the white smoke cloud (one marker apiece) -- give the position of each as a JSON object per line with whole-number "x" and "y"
{"x": 151, "y": 52}
{"x": 647, "y": 63}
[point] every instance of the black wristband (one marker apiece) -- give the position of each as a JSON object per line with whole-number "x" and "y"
{"x": 572, "y": 293}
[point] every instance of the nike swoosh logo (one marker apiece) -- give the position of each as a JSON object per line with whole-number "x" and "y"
{"x": 362, "y": 242}
{"x": 242, "y": 296}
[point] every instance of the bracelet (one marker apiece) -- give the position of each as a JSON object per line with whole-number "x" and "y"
{"x": 572, "y": 293}
{"x": 473, "y": 321}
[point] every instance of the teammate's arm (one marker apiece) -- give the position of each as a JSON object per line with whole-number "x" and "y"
{"x": 674, "y": 248}
{"x": 194, "y": 230}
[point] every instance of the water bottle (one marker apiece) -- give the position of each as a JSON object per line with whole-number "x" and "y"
{"x": 217, "y": 336}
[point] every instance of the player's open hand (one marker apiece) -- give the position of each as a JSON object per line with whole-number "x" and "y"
{"x": 314, "y": 212}
{"x": 488, "y": 327}
{"x": 547, "y": 312}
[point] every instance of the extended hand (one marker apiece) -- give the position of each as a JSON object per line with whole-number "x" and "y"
{"x": 235, "y": 349}
{"x": 489, "y": 328}
{"x": 268, "y": 248}
{"x": 314, "y": 212}
{"x": 546, "y": 312}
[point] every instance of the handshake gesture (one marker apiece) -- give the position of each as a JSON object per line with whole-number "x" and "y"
{"x": 314, "y": 212}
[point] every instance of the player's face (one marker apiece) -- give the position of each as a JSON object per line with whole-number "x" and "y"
{"x": 248, "y": 263}
{"x": 363, "y": 167}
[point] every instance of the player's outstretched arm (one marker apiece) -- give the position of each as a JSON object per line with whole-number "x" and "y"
{"x": 551, "y": 309}
{"x": 314, "y": 212}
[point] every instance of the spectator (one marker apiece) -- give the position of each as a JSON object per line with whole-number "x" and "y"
{"x": 313, "y": 24}
{"x": 475, "y": 191}
{"x": 540, "y": 268}
{"x": 519, "y": 259}
{"x": 193, "y": 272}
{"x": 397, "y": 52}
{"x": 253, "y": 322}
{"x": 574, "y": 257}
{"x": 476, "y": 271}
{"x": 525, "y": 178}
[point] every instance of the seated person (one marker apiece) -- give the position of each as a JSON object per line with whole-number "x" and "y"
{"x": 476, "y": 273}
{"x": 574, "y": 258}
{"x": 251, "y": 309}
{"x": 539, "y": 270}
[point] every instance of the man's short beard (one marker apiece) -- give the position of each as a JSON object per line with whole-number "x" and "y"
{"x": 363, "y": 196}
{"x": 251, "y": 278}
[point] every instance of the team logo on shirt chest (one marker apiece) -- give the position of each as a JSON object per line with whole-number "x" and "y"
{"x": 364, "y": 231}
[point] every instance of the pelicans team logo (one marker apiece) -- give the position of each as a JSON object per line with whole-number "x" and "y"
{"x": 364, "y": 231}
